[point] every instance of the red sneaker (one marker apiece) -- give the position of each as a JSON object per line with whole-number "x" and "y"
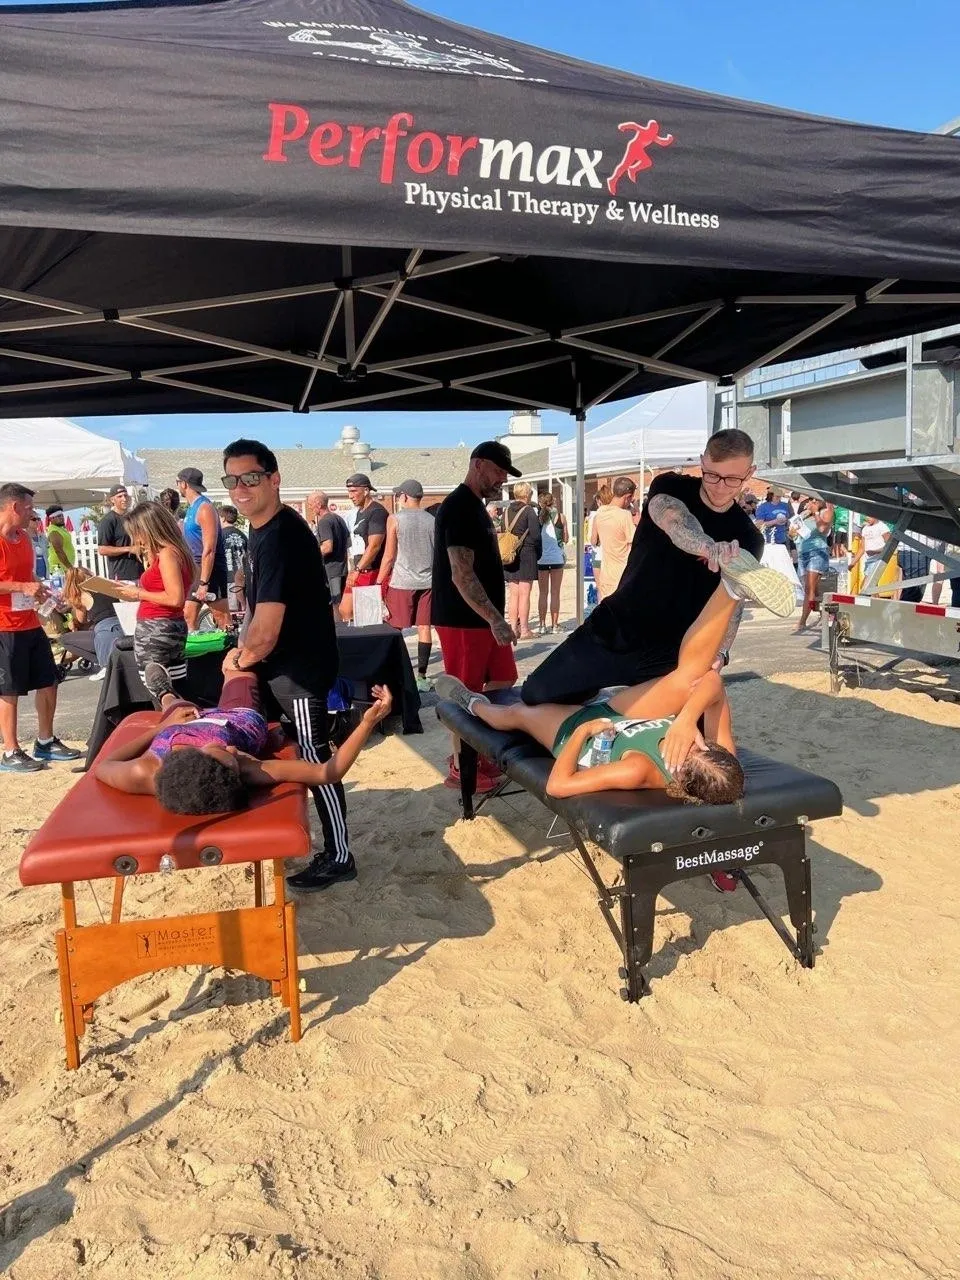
{"x": 723, "y": 881}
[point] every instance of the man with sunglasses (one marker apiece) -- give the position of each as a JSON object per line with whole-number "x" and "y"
{"x": 691, "y": 529}
{"x": 289, "y": 638}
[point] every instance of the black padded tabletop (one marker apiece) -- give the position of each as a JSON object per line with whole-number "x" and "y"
{"x": 629, "y": 822}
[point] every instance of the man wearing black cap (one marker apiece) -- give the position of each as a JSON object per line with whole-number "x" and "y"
{"x": 469, "y": 590}
{"x": 370, "y": 525}
{"x": 113, "y": 541}
{"x": 406, "y": 570}
{"x": 204, "y": 537}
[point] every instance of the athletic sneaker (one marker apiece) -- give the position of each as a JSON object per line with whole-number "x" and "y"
{"x": 98, "y": 676}
{"x": 756, "y": 582}
{"x": 450, "y": 689}
{"x": 54, "y": 750}
{"x": 157, "y": 680}
{"x": 424, "y": 684}
{"x": 321, "y": 872}
{"x": 724, "y": 882}
{"x": 19, "y": 762}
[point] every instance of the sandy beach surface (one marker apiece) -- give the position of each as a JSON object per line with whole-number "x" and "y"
{"x": 471, "y": 1099}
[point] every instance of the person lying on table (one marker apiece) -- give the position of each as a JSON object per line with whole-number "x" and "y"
{"x": 197, "y": 761}
{"x": 658, "y": 744}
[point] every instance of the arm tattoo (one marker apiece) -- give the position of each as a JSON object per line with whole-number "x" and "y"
{"x": 469, "y": 585}
{"x": 683, "y": 529}
{"x": 726, "y": 644}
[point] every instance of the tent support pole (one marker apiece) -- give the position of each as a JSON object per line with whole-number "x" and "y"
{"x": 579, "y": 512}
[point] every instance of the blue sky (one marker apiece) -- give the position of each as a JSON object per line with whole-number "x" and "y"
{"x": 875, "y": 61}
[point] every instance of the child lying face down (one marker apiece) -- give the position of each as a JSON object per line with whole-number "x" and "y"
{"x": 206, "y": 761}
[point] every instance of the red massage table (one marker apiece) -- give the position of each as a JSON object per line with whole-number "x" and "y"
{"x": 96, "y": 833}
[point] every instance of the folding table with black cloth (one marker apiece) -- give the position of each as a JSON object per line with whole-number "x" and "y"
{"x": 368, "y": 656}
{"x": 658, "y": 840}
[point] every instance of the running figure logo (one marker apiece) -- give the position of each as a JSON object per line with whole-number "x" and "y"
{"x": 635, "y": 158}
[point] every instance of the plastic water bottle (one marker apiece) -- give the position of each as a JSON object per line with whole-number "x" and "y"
{"x": 56, "y": 581}
{"x": 603, "y": 746}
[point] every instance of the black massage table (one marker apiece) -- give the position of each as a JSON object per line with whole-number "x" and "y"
{"x": 658, "y": 840}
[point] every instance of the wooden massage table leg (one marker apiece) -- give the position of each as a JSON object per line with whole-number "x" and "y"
{"x": 260, "y": 940}
{"x": 257, "y": 884}
{"x": 116, "y": 909}
{"x": 290, "y": 985}
{"x": 71, "y": 1030}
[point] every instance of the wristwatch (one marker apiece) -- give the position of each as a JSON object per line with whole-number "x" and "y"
{"x": 204, "y": 584}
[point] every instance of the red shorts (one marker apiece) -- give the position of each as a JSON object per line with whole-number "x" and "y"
{"x": 473, "y": 656}
{"x": 408, "y": 608}
{"x": 366, "y": 578}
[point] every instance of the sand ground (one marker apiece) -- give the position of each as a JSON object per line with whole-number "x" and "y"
{"x": 471, "y": 1099}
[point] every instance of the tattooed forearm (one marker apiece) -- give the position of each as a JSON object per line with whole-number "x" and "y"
{"x": 683, "y": 529}
{"x": 726, "y": 644}
{"x": 469, "y": 585}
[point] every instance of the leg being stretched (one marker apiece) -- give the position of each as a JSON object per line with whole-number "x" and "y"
{"x": 698, "y": 649}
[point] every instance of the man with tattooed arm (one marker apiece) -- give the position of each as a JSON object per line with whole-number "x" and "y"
{"x": 692, "y": 528}
{"x": 468, "y": 588}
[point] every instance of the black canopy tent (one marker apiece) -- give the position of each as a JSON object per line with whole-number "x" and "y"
{"x": 321, "y": 204}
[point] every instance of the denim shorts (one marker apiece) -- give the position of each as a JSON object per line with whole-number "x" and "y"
{"x": 813, "y": 559}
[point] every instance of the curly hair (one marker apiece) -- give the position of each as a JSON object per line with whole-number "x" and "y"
{"x": 714, "y": 776}
{"x": 189, "y": 781}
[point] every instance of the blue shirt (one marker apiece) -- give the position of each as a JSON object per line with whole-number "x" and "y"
{"x": 193, "y": 536}
{"x": 769, "y": 511}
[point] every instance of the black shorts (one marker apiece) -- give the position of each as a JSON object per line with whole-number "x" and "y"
{"x": 26, "y": 662}
{"x": 216, "y": 587}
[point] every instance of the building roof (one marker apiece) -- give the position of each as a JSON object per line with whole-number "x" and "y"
{"x": 327, "y": 469}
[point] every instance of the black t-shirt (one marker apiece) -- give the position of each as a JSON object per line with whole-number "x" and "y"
{"x": 333, "y": 528}
{"x": 111, "y": 533}
{"x": 372, "y": 520}
{"x": 463, "y": 521}
{"x": 286, "y": 568}
{"x": 663, "y": 589}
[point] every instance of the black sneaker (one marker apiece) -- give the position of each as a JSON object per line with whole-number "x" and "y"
{"x": 54, "y": 750}
{"x": 19, "y": 762}
{"x": 156, "y": 679}
{"x": 322, "y": 871}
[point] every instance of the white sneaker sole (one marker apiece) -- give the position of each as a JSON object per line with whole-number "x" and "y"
{"x": 762, "y": 585}
{"x": 450, "y": 689}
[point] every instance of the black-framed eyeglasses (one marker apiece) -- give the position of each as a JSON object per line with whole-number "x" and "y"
{"x": 249, "y": 479}
{"x": 714, "y": 477}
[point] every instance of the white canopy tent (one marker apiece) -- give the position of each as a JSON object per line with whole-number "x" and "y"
{"x": 64, "y": 463}
{"x": 664, "y": 429}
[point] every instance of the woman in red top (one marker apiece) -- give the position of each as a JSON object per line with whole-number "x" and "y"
{"x": 161, "y": 634}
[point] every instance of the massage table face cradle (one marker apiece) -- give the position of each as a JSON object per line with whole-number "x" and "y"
{"x": 629, "y": 908}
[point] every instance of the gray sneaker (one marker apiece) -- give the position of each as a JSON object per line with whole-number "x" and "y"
{"x": 755, "y": 582}
{"x": 450, "y": 689}
{"x": 19, "y": 762}
{"x": 156, "y": 677}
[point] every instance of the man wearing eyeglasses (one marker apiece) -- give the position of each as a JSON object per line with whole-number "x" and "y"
{"x": 691, "y": 529}
{"x": 289, "y": 638}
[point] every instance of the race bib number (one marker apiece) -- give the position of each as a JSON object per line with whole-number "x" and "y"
{"x": 20, "y": 602}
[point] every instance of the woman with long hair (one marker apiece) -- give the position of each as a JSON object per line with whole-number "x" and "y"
{"x": 553, "y": 534}
{"x": 161, "y": 633}
{"x": 521, "y": 519}
{"x": 657, "y": 743}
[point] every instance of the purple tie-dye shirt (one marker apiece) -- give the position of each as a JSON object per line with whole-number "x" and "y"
{"x": 241, "y": 728}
